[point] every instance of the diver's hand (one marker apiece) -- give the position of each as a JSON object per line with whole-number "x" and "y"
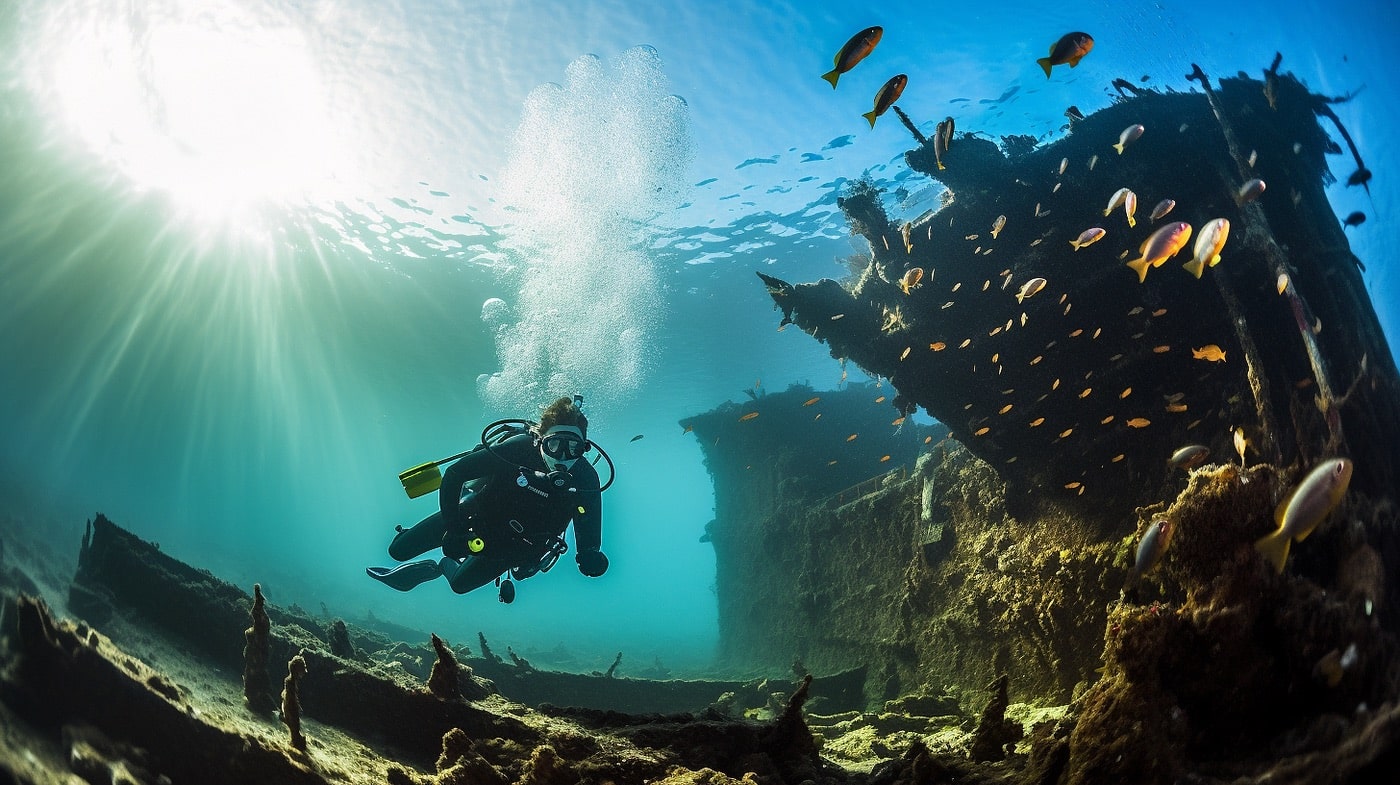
{"x": 592, "y": 563}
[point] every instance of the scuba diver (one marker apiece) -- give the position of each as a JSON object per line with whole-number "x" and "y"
{"x": 504, "y": 506}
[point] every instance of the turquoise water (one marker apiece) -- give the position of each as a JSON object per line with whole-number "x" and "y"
{"x": 247, "y": 247}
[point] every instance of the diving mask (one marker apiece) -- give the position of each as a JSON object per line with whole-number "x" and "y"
{"x": 561, "y": 445}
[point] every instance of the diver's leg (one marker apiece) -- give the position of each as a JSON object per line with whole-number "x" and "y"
{"x": 473, "y": 572}
{"x": 423, "y": 537}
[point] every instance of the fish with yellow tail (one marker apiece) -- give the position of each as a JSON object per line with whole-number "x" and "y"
{"x": 1208, "y": 246}
{"x": 886, "y": 97}
{"x": 1304, "y": 508}
{"x": 1071, "y": 48}
{"x": 1129, "y": 135}
{"x": 912, "y": 279}
{"x": 1128, "y": 199}
{"x": 1161, "y": 246}
{"x": 1088, "y": 237}
{"x": 1029, "y": 288}
{"x": 855, "y": 50}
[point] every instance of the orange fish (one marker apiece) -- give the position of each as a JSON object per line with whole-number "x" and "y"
{"x": 1210, "y": 352}
{"x": 1139, "y": 422}
{"x": 1161, "y": 246}
{"x": 1208, "y": 245}
{"x": 855, "y": 50}
{"x": 748, "y": 416}
{"x": 886, "y": 97}
{"x": 911, "y": 279}
{"x": 811, "y": 401}
{"x": 1071, "y": 48}
{"x": 938, "y": 346}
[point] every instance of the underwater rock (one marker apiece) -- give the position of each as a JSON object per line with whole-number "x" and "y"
{"x": 443, "y": 680}
{"x": 340, "y": 641}
{"x": 994, "y": 732}
{"x": 291, "y": 701}
{"x": 257, "y": 689}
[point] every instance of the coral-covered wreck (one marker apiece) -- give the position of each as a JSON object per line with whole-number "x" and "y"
{"x": 1068, "y": 384}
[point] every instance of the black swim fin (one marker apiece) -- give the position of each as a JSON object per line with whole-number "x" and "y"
{"x": 406, "y": 576}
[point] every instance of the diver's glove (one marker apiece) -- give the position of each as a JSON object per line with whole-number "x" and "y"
{"x": 591, "y": 563}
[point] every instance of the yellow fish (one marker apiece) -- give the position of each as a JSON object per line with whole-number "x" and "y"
{"x": 1161, "y": 246}
{"x": 911, "y": 279}
{"x": 1210, "y": 352}
{"x": 998, "y": 225}
{"x": 1208, "y": 245}
{"x": 1029, "y": 288}
{"x": 1304, "y": 508}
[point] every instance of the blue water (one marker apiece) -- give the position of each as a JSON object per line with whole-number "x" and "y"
{"x": 245, "y": 249}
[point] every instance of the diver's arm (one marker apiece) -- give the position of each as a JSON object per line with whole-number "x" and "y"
{"x": 588, "y": 521}
{"x": 474, "y": 465}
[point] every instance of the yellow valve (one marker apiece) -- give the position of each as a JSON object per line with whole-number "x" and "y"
{"x": 476, "y": 545}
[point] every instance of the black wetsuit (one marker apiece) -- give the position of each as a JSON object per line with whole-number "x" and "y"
{"x": 541, "y": 510}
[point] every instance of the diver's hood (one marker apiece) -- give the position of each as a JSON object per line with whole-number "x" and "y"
{"x": 561, "y": 446}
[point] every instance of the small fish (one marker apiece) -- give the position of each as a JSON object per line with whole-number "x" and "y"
{"x": 1160, "y": 312}
{"x": 1072, "y": 485}
{"x": 938, "y": 346}
{"x": 854, "y": 50}
{"x": 1056, "y": 189}
{"x": 898, "y": 421}
{"x": 982, "y": 431}
{"x": 1064, "y": 164}
{"x": 884, "y": 458}
{"x": 998, "y": 225}
{"x": 1126, "y": 392}
{"x": 1240, "y": 443}
{"x": 1360, "y": 177}
{"x": 1129, "y": 135}
{"x": 1282, "y": 282}
{"x": 1036, "y": 423}
{"x": 1210, "y": 353}
{"x": 811, "y": 400}
{"x": 911, "y": 280}
{"x": 1253, "y": 156}
{"x": 1093, "y": 159}
{"x": 1120, "y": 456}
{"x": 1163, "y": 207}
{"x": 1208, "y": 245}
{"x": 1189, "y": 457}
{"x": 1138, "y": 422}
{"x": 1161, "y": 246}
{"x": 886, "y": 97}
{"x": 1304, "y": 508}
{"x": 1036, "y": 359}
{"x": 904, "y": 353}
{"x": 1066, "y": 432}
{"x": 1074, "y": 114}
{"x": 942, "y": 134}
{"x": 1130, "y": 208}
{"x": 1106, "y": 420}
{"x": 1150, "y": 550}
{"x": 838, "y": 316}
{"x": 1086, "y": 392}
{"x": 748, "y": 416}
{"x": 1071, "y": 48}
{"x": 1250, "y": 191}
{"x": 1005, "y": 409}
{"x": 1355, "y": 219}
{"x": 1088, "y": 237}
{"x": 1118, "y": 198}
{"x": 1176, "y": 408}
{"x": 881, "y": 399}
{"x": 635, "y": 438}
{"x": 1029, "y": 288}
{"x": 852, "y": 437}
